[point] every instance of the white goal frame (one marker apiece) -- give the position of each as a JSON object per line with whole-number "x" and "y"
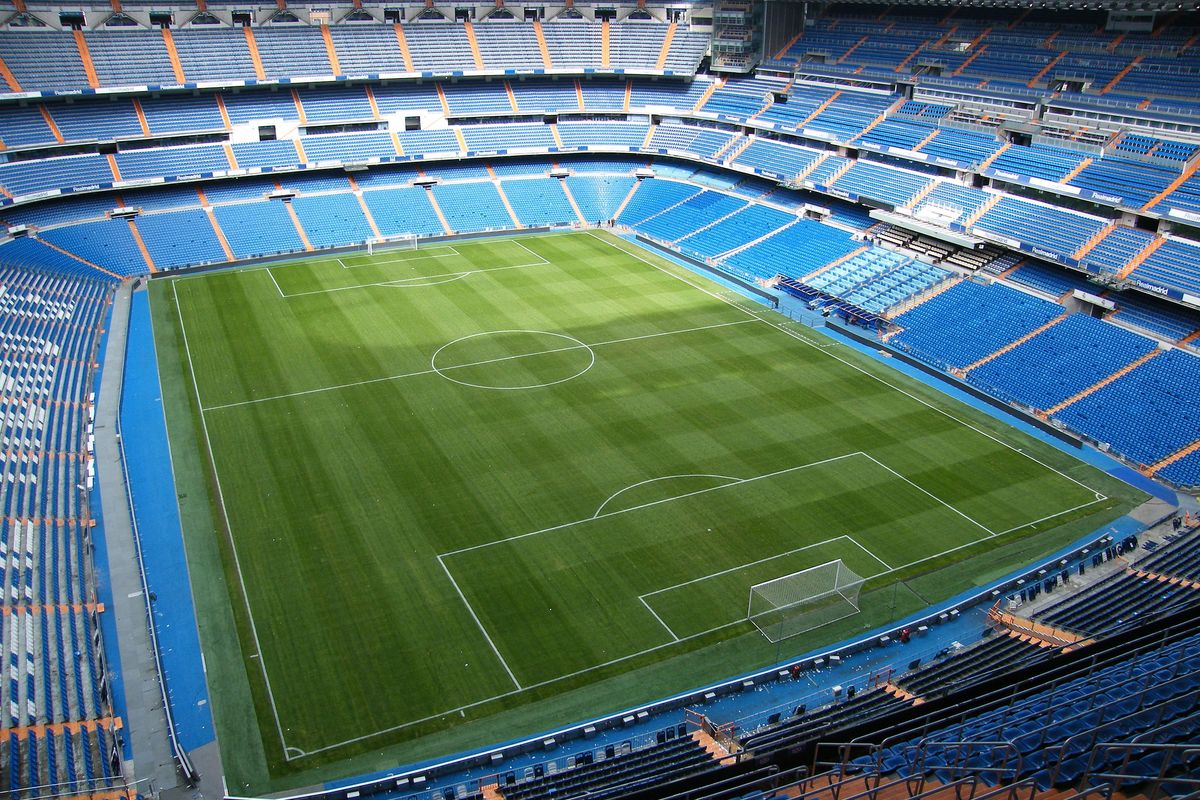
{"x": 783, "y": 600}
{"x": 401, "y": 241}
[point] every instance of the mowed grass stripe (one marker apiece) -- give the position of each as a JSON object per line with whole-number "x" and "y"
{"x": 577, "y": 588}
{"x": 340, "y": 500}
{"x": 299, "y": 344}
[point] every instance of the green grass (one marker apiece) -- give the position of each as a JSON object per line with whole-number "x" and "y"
{"x": 395, "y": 561}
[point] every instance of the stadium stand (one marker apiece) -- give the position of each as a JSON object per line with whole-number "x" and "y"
{"x": 653, "y": 198}
{"x": 539, "y": 202}
{"x": 471, "y": 207}
{"x": 258, "y": 228}
{"x": 1112, "y": 193}
{"x": 59, "y": 725}
{"x": 983, "y": 319}
{"x": 180, "y": 238}
{"x": 332, "y": 220}
{"x": 877, "y": 279}
{"x": 108, "y": 244}
{"x": 746, "y": 225}
{"x": 685, "y": 218}
{"x": 1060, "y": 362}
{"x": 400, "y": 211}
{"x": 796, "y": 251}
{"x": 1156, "y": 396}
{"x": 599, "y": 197}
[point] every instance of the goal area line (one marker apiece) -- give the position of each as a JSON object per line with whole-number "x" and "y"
{"x": 448, "y": 275}
{"x": 398, "y": 255}
{"x": 646, "y": 598}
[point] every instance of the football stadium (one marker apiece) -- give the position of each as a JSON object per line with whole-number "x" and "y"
{"x": 715, "y": 399}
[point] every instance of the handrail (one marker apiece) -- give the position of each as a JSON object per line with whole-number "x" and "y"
{"x": 741, "y": 784}
{"x": 1014, "y": 693}
{"x": 90, "y": 566}
{"x": 1002, "y": 770}
{"x": 1062, "y": 749}
{"x": 181, "y": 757}
{"x": 1189, "y": 750}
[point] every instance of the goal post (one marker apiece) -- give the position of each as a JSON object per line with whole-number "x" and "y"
{"x": 802, "y": 601}
{"x": 402, "y": 241}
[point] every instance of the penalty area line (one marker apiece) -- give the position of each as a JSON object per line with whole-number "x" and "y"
{"x": 928, "y": 493}
{"x": 860, "y": 546}
{"x": 674, "y": 636}
{"x": 651, "y": 504}
{"x": 482, "y": 629}
{"x": 784, "y": 554}
{"x": 675, "y": 640}
{"x": 529, "y": 687}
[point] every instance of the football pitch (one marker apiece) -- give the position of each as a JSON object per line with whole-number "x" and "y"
{"x": 450, "y": 481}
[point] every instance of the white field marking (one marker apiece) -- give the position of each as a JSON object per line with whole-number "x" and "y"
{"x": 617, "y": 493}
{"x": 886, "y": 565}
{"x": 271, "y": 275}
{"x": 228, "y": 526}
{"x": 482, "y": 629}
{"x": 418, "y": 373}
{"x": 674, "y": 636}
{"x": 412, "y": 283}
{"x": 1099, "y": 499}
{"x": 577, "y": 345}
{"x": 527, "y": 250}
{"x": 784, "y": 554}
{"x": 525, "y": 688}
{"x": 330, "y": 259}
{"x": 430, "y": 280}
{"x": 836, "y": 357}
{"x": 651, "y": 504}
{"x": 342, "y": 259}
{"x": 925, "y": 491}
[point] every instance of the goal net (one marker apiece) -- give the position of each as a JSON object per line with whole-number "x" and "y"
{"x": 797, "y": 603}
{"x": 403, "y": 241}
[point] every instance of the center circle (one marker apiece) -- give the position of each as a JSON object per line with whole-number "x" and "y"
{"x": 512, "y": 359}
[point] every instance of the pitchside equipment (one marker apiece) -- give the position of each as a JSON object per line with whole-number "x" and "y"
{"x": 405, "y": 241}
{"x": 796, "y": 603}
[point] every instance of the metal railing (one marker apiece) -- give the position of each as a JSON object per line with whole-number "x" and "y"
{"x": 1124, "y": 775}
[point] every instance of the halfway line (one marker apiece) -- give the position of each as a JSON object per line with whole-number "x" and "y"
{"x": 475, "y": 364}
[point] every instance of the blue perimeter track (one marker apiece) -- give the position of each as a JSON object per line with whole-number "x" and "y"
{"x": 152, "y": 484}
